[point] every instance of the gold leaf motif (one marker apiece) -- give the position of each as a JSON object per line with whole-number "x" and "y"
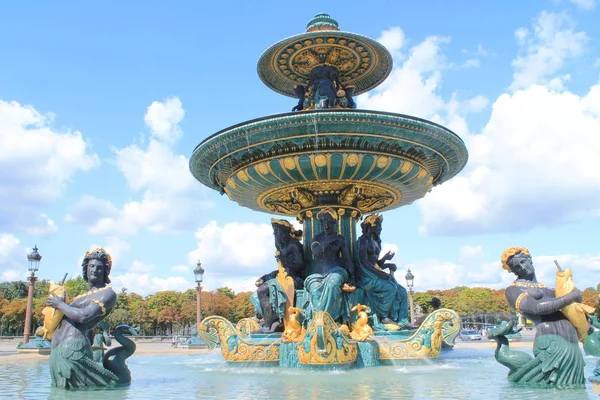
{"x": 352, "y": 160}
{"x": 289, "y": 163}
{"x": 382, "y": 162}
{"x": 263, "y": 168}
{"x": 243, "y": 176}
{"x": 422, "y": 173}
{"x": 320, "y": 160}
{"x": 406, "y": 166}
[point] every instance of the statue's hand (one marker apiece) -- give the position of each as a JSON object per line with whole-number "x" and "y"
{"x": 258, "y": 282}
{"x": 54, "y": 301}
{"x": 389, "y": 255}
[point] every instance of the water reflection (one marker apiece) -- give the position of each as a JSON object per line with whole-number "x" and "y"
{"x": 459, "y": 374}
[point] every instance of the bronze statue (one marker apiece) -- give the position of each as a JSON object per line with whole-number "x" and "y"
{"x": 270, "y": 294}
{"x": 557, "y": 361}
{"x": 71, "y": 360}
{"x": 386, "y": 297}
{"x": 333, "y": 270}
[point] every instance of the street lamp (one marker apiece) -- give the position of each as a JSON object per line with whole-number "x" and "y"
{"x": 410, "y": 279}
{"x": 199, "y": 274}
{"x": 34, "y": 259}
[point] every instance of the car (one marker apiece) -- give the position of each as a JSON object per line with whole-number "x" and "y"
{"x": 469, "y": 334}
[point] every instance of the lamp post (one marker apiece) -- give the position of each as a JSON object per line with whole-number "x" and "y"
{"x": 199, "y": 275}
{"x": 34, "y": 259}
{"x": 410, "y": 278}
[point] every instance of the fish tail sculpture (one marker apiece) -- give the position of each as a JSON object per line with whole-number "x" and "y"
{"x": 114, "y": 359}
{"x": 52, "y": 316}
{"x": 360, "y": 329}
{"x": 574, "y": 312}
{"x": 293, "y": 328}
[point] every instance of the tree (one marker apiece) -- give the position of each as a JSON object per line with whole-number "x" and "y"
{"x": 119, "y": 316}
{"x": 241, "y": 307}
{"x": 76, "y": 286}
{"x": 40, "y": 288}
{"x": 13, "y": 290}
{"x": 226, "y": 291}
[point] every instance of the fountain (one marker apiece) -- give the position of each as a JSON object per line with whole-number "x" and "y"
{"x": 329, "y": 164}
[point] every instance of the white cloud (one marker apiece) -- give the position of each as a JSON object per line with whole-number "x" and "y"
{"x": 115, "y": 247}
{"x": 170, "y": 199}
{"x": 393, "y": 39}
{"x": 144, "y": 284}
{"x": 534, "y": 164}
{"x": 184, "y": 269}
{"x": 37, "y": 162}
{"x": 164, "y": 118}
{"x": 585, "y": 4}
{"x": 236, "y": 248}
{"x": 413, "y": 85}
{"x": 473, "y": 270}
{"x": 12, "y": 258}
{"x": 545, "y": 50}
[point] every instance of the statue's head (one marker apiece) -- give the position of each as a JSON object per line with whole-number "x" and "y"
{"x": 328, "y": 217}
{"x": 284, "y": 229}
{"x": 373, "y": 223}
{"x": 513, "y": 259}
{"x": 98, "y": 254}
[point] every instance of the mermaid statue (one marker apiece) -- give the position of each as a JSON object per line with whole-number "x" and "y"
{"x": 71, "y": 361}
{"x": 557, "y": 361}
{"x": 384, "y": 295}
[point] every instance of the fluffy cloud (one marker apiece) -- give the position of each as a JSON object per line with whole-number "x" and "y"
{"x": 12, "y": 256}
{"x": 170, "y": 197}
{"x": 413, "y": 85}
{"x": 36, "y": 163}
{"x": 585, "y": 4}
{"x": 240, "y": 249}
{"x": 472, "y": 269}
{"x": 545, "y": 50}
{"x": 533, "y": 164}
{"x": 145, "y": 284}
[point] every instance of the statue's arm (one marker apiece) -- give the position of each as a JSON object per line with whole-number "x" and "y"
{"x": 348, "y": 262}
{"x": 363, "y": 259}
{"x": 544, "y": 306}
{"x": 317, "y": 248}
{"x": 90, "y": 311}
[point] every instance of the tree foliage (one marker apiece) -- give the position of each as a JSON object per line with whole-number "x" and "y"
{"x": 170, "y": 311}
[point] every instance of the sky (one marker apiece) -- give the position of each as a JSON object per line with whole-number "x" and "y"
{"x": 101, "y": 105}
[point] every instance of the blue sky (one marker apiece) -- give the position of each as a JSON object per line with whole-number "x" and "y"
{"x": 101, "y": 106}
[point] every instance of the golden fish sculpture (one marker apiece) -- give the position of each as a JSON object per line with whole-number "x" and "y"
{"x": 575, "y": 312}
{"x": 52, "y": 316}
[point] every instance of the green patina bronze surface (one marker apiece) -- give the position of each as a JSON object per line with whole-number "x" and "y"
{"x": 328, "y": 164}
{"x": 371, "y": 161}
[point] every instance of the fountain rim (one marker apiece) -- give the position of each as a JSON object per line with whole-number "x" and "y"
{"x": 335, "y": 110}
{"x": 379, "y": 48}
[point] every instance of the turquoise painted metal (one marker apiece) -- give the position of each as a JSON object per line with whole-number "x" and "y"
{"x": 328, "y": 156}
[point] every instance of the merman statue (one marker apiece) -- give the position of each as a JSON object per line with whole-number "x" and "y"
{"x": 271, "y": 298}
{"x": 71, "y": 360}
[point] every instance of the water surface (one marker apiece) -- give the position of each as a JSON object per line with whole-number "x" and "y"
{"x": 462, "y": 373}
